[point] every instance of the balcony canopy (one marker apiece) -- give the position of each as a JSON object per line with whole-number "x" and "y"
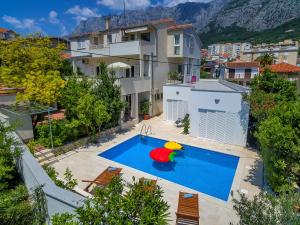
{"x": 118, "y": 65}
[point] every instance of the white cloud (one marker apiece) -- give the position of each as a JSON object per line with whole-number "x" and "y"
{"x": 82, "y": 13}
{"x": 171, "y": 3}
{"x": 26, "y": 24}
{"x": 53, "y": 17}
{"x": 129, "y": 4}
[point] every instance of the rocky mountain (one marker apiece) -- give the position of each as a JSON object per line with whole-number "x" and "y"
{"x": 215, "y": 17}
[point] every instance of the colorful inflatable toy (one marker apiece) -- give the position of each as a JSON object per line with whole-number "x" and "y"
{"x": 172, "y": 145}
{"x": 162, "y": 155}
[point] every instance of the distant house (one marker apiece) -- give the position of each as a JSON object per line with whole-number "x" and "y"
{"x": 283, "y": 53}
{"x": 6, "y": 34}
{"x": 289, "y": 71}
{"x": 240, "y": 71}
{"x": 216, "y": 108}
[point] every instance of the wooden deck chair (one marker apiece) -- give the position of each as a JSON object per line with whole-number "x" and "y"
{"x": 103, "y": 179}
{"x": 188, "y": 209}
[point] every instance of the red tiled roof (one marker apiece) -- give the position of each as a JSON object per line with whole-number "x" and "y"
{"x": 3, "y": 30}
{"x": 66, "y": 55}
{"x": 284, "y": 68}
{"x": 180, "y": 27}
{"x": 241, "y": 64}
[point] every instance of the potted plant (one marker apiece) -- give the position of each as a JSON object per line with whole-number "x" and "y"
{"x": 145, "y": 106}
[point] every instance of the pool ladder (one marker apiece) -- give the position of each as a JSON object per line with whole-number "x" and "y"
{"x": 147, "y": 130}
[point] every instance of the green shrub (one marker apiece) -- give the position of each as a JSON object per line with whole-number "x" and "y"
{"x": 62, "y": 132}
{"x": 145, "y": 107}
{"x": 186, "y": 124}
{"x": 69, "y": 183}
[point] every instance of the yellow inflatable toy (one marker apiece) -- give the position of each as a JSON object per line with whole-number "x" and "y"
{"x": 172, "y": 145}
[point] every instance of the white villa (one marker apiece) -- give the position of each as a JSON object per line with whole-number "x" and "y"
{"x": 142, "y": 56}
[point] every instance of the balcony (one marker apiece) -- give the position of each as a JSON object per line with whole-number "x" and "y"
{"x": 134, "y": 85}
{"x": 135, "y": 47}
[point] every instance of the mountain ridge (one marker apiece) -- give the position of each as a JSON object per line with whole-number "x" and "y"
{"x": 214, "y": 18}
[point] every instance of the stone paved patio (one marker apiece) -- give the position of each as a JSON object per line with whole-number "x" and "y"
{"x": 86, "y": 164}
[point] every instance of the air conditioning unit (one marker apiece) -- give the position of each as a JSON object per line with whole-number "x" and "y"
{"x": 85, "y": 61}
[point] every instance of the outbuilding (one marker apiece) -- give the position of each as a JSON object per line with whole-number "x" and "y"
{"x": 217, "y": 109}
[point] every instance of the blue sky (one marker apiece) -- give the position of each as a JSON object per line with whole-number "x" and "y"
{"x": 59, "y": 17}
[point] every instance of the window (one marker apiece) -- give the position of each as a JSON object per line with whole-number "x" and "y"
{"x": 132, "y": 37}
{"x": 109, "y": 38}
{"x": 81, "y": 44}
{"x": 176, "y": 44}
{"x": 127, "y": 73}
{"x": 145, "y": 36}
{"x": 231, "y": 73}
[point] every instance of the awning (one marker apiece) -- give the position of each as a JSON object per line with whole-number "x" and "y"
{"x": 117, "y": 65}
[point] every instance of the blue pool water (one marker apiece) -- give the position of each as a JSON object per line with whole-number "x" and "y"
{"x": 203, "y": 170}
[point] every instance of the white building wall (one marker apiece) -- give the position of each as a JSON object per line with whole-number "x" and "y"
{"x": 231, "y": 118}
{"x": 227, "y": 118}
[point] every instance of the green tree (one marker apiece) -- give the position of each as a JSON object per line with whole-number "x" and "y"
{"x": 266, "y": 59}
{"x": 7, "y": 157}
{"x": 31, "y": 63}
{"x": 109, "y": 205}
{"x": 92, "y": 112}
{"x": 267, "y": 209}
{"x": 279, "y": 139}
{"x": 268, "y": 90}
{"x": 109, "y": 92}
{"x": 75, "y": 87}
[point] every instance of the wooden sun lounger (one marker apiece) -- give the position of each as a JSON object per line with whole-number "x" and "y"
{"x": 103, "y": 179}
{"x": 188, "y": 209}
{"x": 151, "y": 184}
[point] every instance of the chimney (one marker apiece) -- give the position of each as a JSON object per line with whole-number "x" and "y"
{"x": 107, "y": 22}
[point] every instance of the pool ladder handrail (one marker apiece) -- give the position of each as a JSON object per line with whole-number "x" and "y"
{"x": 148, "y": 129}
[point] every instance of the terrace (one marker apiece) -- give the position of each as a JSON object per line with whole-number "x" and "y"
{"x": 86, "y": 164}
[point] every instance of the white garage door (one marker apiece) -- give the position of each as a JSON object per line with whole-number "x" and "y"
{"x": 176, "y": 109}
{"x": 217, "y": 125}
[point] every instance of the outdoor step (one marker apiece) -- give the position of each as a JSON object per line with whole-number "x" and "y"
{"x": 49, "y": 162}
{"x": 42, "y": 152}
{"x": 48, "y": 156}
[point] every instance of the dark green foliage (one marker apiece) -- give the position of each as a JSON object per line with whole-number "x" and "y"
{"x": 114, "y": 205}
{"x": 279, "y": 138}
{"x": 274, "y": 125}
{"x": 16, "y": 205}
{"x": 7, "y": 157}
{"x": 71, "y": 93}
{"x": 266, "y": 209}
{"x": 106, "y": 89}
{"x": 266, "y": 59}
{"x": 66, "y": 69}
{"x": 62, "y": 132}
{"x": 237, "y": 34}
{"x": 186, "y": 124}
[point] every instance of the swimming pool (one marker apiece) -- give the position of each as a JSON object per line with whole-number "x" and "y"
{"x": 200, "y": 169}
